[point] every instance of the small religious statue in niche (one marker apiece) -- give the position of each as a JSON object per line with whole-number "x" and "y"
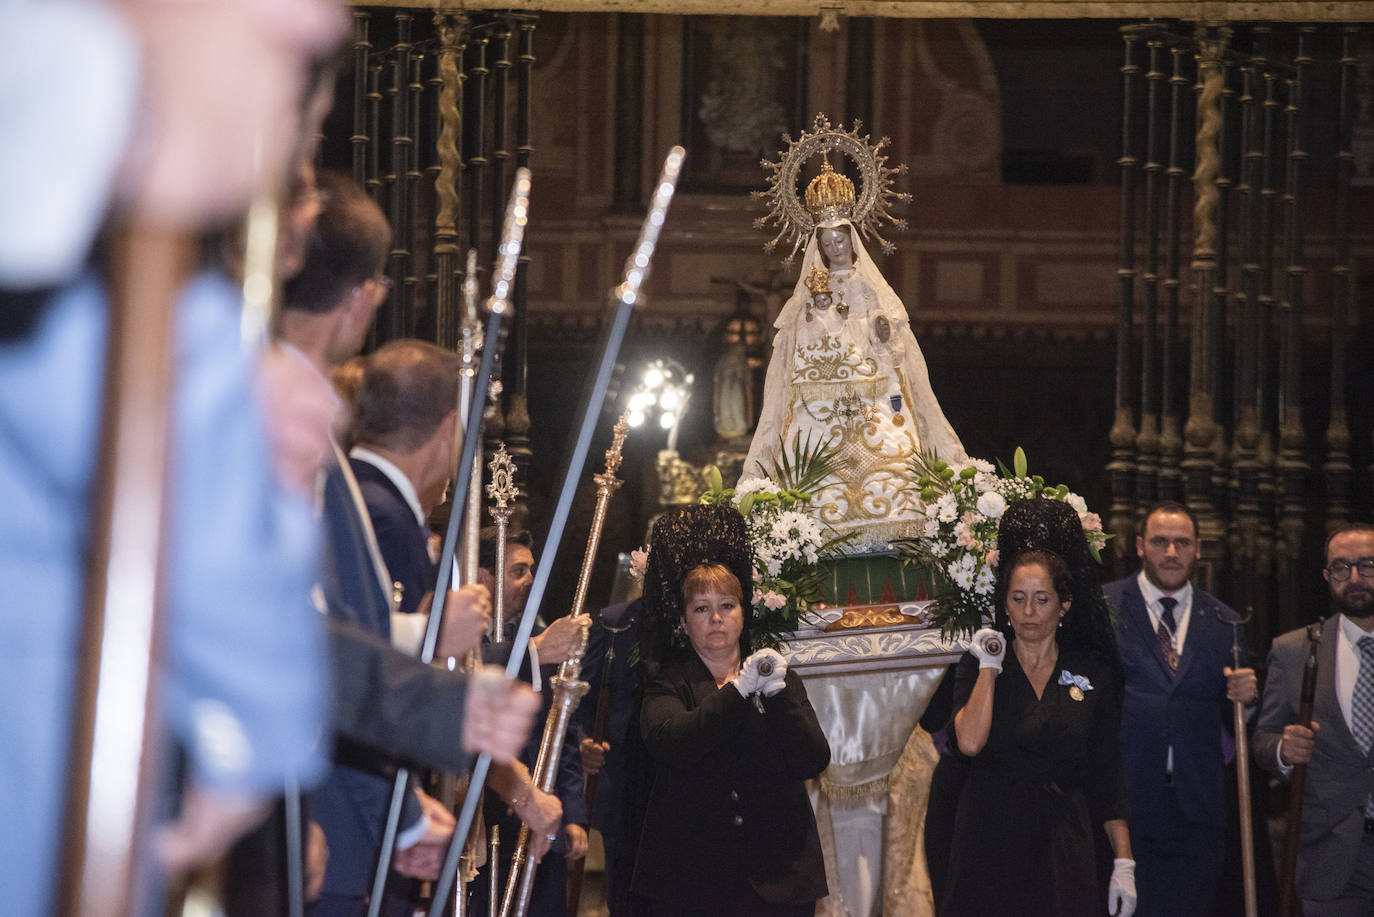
{"x": 733, "y": 395}
{"x": 846, "y": 367}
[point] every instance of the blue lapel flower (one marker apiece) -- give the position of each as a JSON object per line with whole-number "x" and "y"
{"x": 1078, "y": 681}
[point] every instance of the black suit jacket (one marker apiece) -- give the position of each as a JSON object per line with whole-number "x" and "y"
{"x": 728, "y": 795}
{"x": 1185, "y": 708}
{"x": 402, "y": 540}
{"x": 351, "y": 804}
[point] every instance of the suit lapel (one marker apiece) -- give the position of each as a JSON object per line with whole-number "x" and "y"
{"x": 1326, "y": 709}
{"x": 1202, "y": 621}
{"x": 1138, "y": 618}
{"x": 365, "y": 521}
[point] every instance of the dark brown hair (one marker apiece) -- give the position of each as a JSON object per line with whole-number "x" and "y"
{"x": 348, "y": 244}
{"x": 408, "y": 388}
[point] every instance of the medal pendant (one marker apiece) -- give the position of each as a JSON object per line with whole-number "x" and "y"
{"x": 1076, "y": 692}
{"x": 898, "y": 420}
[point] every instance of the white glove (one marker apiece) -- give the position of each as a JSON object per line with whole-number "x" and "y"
{"x": 747, "y": 681}
{"x": 1121, "y": 890}
{"x": 989, "y": 646}
{"x": 752, "y": 673}
{"x": 773, "y": 683}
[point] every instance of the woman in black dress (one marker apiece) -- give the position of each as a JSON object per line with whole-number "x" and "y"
{"x": 729, "y": 736}
{"x": 1039, "y": 728}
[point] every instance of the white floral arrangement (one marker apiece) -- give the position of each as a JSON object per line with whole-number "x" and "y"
{"x": 788, "y": 541}
{"x": 962, "y": 504}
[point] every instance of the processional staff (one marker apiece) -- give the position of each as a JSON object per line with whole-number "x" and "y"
{"x": 513, "y": 233}
{"x": 1297, "y": 782}
{"x": 502, "y": 490}
{"x": 452, "y": 788}
{"x": 599, "y": 723}
{"x": 568, "y": 686}
{"x": 627, "y": 295}
{"x": 1247, "y": 837}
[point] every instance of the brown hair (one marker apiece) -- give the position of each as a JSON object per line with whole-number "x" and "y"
{"x": 710, "y": 578}
{"x": 349, "y": 243}
{"x": 409, "y": 387}
{"x": 1054, "y": 565}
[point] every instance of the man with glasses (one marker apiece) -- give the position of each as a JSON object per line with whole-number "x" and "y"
{"x": 1336, "y": 860}
{"x": 1175, "y": 645}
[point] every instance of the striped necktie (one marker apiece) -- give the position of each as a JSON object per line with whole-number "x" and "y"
{"x": 1167, "y": 628}
{"x": 1362, "y": 701}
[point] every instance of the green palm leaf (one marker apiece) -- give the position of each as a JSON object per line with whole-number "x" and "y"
{"x": 806, "y": 468}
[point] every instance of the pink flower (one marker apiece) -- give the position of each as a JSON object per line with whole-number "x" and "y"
{"x": 1092, "y": 522}
{"x": 773, "y": 600}
{"x": 992, "y": 558}
{"x": 964, "y": 537}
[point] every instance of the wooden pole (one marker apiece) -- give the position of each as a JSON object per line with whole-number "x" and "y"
{"x": 1247, "y": 828}
{"x": 1297, "y": 783}
{"x": 111, "y": 769}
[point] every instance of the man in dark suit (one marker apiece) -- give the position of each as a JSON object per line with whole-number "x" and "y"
{"x": 404, "y": 433}
{"x": 1336, "y": 860}
{"x": 1175, "y": 644}
{"x": 328, "y": 308}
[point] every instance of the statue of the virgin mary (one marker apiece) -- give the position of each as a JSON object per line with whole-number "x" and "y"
{"x": 846, "y": 368}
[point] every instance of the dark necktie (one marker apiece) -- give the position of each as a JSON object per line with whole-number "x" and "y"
{"x": 1362, "y": 703}
{"x": 1167, "y": 626}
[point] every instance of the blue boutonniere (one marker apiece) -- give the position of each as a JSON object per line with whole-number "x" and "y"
{"x": 1078, "y": 683}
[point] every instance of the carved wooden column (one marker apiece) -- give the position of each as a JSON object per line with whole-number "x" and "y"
{"x": 1266, "y": 378}
{"x": 451, "y": 26}
{"x": 1147, "y": 440}
{"x": 1337, "y": 469}
{"x": 362, "y": 48}
{"x": 372, "y": 179}
{"x": 414, "y": 283}
{"x": 629, "y": 111}
{"x": 1292, "y": 463}
{"x": 1121, "y": 468}
{"x": 517, "y": 409}
{"x": 1202, "y": 431}
{"x": 1245, "y": 482}
{"x": 500, "y": 85}
{"x": 393, "y": 317}
{"x": 1170, "y": 482}
{"x": 476, "y": 85}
